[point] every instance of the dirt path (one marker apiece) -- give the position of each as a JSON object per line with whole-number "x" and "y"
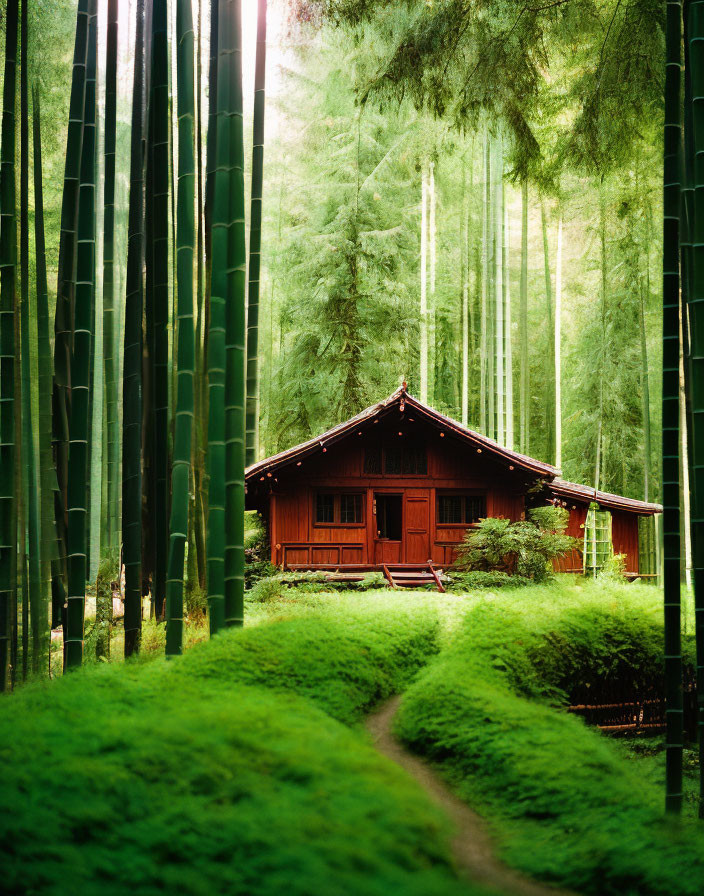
{"x": 471, "y": 845}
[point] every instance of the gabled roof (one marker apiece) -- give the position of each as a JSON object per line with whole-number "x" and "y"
{"x": 401, "y": 399}
{"x": 585, "y": 494}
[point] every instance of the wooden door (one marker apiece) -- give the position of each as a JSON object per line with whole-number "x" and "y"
{"x": 417, "y": 526}
{"x": 388, "y": 527}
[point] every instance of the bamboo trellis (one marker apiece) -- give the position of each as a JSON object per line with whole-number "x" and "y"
{"x": 598, "y": 544}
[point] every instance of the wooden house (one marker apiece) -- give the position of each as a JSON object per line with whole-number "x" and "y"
{"x": 398, "y": 485}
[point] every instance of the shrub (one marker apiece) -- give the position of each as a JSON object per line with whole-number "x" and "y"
{"x": 267, "y": 590}
{"x": 567, "y": 806}
{"x": 461, "y": 582}
{"x": 613, "y": 568}
{"x": 524, "y": 548}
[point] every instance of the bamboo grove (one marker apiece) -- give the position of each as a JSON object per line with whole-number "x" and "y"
{"x": 683, "y": 338}
{"x": 165, "y": 346}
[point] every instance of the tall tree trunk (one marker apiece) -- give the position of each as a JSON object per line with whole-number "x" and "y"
{"x": 8, "y": 263}
{"x": 109, "y": 341}
{"x": 484, "y": 385}
{"x": 558, "y": 347}
{"x": 524, "y": 400}
{"x": 464, "y": 249}
{"x": 132, "y": 372}
{"x": 63, "y": 321}
{"x": 671, "y": 412}
{"x": 432, "y": 309}
{"x": 645, "y": 390}
{"x": 508, "y": 351}
{"x": 49, "y": 548}
{"x": 423, "y": 288}
{"x": 499, "y": 345}
{"x": 490, "y": 296}
{"x": 159, "y": 182}
{"x": 550, "y": 359}
{"x": 236, "y": 355}
{"x": 30, "y": 484}
{"x": 195, "y": 553}
{"x": 685, "y": 495}
{"x": 185, "y": 245}
{"x": 255, "y": 241}
{"x": 79, "y": 434}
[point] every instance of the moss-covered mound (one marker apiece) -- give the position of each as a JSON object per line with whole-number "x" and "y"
{"x": 566, "y": 804}
{"x": 192, "y": 777}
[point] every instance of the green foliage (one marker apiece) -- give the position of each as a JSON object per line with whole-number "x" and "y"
{"x": 613, "y": 568}
{"x": 267, "y": 791}
{"x": 566, "y": 805}
{"x": 524, "y": 548}
{"x": 277, "y": 583}
{"x": 472, "y": 581}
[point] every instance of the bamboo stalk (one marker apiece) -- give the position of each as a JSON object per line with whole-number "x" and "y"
{"x": 159, "y": 182}
{"x": 255, "y": 241}
{"x": 29, "y": 461}
{"x": 63, "y": 321}
{"x": 185, "y": 247}
{"x": 217, "y": 351}
{"x": 523, "y": 327}
{"x": 48, "y": 486}
{"x": 8, "y": 542}
{"x": 695, "y": 39}
{"x": 79, "y": 435}
{"x": 235, "y": 335}
{"x": 424, "y": 288}
{"x": 132, "y": 372}
{"x": 109, "y": 342}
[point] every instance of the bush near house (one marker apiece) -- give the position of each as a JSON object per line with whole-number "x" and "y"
{"x": 524, "y": 548}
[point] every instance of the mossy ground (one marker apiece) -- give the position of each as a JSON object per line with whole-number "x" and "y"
{"x": 242, "y": 766}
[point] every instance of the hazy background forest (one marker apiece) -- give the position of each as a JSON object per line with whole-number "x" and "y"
{"x": 344, "y": 235}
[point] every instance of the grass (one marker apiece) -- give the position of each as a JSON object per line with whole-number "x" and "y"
{"x": 565, "y": 802}
{"x": 240, "y": 767}
{"x": 223, "y": 771}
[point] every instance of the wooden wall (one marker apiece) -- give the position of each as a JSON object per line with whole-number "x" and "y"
{"x": 296, "y": 539}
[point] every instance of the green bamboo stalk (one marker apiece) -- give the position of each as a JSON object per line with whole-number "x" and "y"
{"x": 219, "y": 222}
{"x": 235, "y": 347}
{"x": 132, "y": 371}
{"x": 671, "y": 409}
{"x": 550, "y": 354}
{"x": 696, "y": 317}
{"x": 185, "y": 247}
{"x": 63, "y": 322}
{"x": 159, "y": 144}
{"x": 48, "y": 487}
{"x": 255, "y": 241}
{"x": 109, "y": 342}
{"x": 29, "y": 465}
{"x": 79, "y": 434}
{"x": 8, "y": 262}
{"x": 523, "y": 325}
{"x": 196, "y": 548}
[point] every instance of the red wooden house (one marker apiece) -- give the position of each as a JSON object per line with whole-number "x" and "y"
{"x": 400, "y": 483}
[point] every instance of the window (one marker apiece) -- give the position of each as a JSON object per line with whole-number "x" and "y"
{"x": 335, "y": 509}
{"x": 372, "y": 459}
{"x": 399, "y": 459}
{"x": 350, "y": 508}
{"x": 460, "y": 510}
{"x": 325, "y": 508}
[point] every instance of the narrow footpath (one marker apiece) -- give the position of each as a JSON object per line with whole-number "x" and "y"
{"x": 471, "y": 846}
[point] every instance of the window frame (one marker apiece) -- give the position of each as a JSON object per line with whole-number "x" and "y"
{"x": 337, "y": 494}
{"x": 464, "y": 494}
{"x": 397, "y": 444}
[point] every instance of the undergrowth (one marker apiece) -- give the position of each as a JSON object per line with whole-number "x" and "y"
{"x": 210, "y": 774}
{"x": 566, "y": 805}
